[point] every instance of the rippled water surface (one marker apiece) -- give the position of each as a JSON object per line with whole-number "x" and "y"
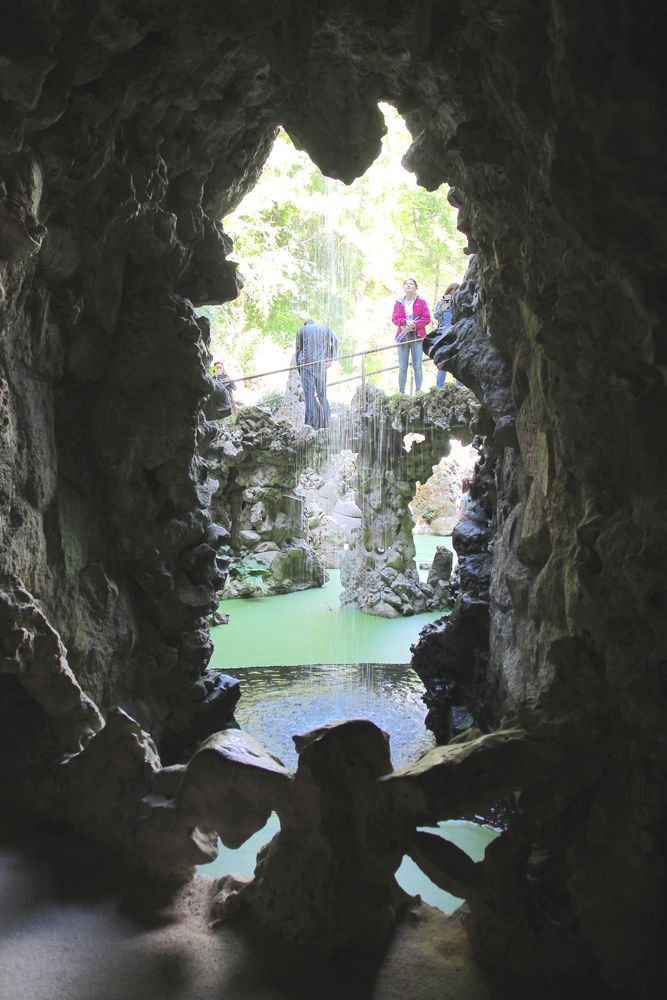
{"x": 279, "y": 702}
{"x": 304, "y": 660}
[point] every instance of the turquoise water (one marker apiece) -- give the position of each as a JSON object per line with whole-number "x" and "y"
{"x": 310, "y": 627}
{"x": 304, "y": 660}
{"x": 425, "y": 546}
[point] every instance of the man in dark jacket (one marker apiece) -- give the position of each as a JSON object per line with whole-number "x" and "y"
{"x": 316, "y": 346}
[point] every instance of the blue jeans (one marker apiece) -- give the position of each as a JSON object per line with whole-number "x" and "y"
{"x": 441, "y": 377}
{"x": 314, "y": 381}
{"x": 405, "y": 351}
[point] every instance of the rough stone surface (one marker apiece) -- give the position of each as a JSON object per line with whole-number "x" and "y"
{"x": 256, "y": 462}
{"x": 334, "y": 518}
{"x": 231, "y": 785}
{"x": 379, "y": 573}
{"x": 135, "y": 940}
{"x": 128, "y": 130}
{"x": 33, "y": 654}
{"x": 326, "y": 881}
{"x": 439, "y": 575}
{"x": 452, "y": 655}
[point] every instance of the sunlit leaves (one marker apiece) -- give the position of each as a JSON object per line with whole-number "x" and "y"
{"x": 311, "y": 246}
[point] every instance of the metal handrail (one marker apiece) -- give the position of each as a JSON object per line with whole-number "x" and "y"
{"x": 340, "y": 381}
{"x": 307, "y": 364}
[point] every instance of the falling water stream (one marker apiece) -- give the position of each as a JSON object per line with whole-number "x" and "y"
{"x": 304, "y": 660}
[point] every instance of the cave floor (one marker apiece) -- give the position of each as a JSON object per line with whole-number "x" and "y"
{"x": 72, "y": 927}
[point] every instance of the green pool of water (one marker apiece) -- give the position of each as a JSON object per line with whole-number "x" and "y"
{"x": 425, "y": 546}
{"x": 310, "y": 626}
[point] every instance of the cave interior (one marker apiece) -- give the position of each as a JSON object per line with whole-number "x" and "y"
{"x": 129, "y": 129}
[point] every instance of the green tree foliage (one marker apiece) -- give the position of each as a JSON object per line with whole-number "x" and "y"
{"x": 311, "y": 246}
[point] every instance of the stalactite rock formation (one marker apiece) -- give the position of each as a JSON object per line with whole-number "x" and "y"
{"x": 378, "y": 572}
{"x": 128, "y": 130}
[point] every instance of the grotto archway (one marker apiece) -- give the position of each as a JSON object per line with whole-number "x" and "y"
{"x": 127, "y": 132}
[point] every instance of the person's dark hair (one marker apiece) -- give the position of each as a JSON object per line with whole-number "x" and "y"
{"x": 413, "y": 280}
{"x": 453, "y": 287}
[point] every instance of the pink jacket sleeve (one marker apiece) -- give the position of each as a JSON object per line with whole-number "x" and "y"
{"x": 424, "y": 316}
{"x": 398, "y": 315}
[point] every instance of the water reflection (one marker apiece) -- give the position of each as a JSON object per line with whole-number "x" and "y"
{"x": 279, "y": 702}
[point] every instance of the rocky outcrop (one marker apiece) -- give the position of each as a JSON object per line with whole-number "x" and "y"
{"x": 256, "y": 461}
{"x": 379, "y": 573}
{"x": 439, "y": 575}
{"x": 472, "y": 356}
{"x": 325, "y": 883}
{"x": 33, "y": 654}
{"x": 452, "y": 655}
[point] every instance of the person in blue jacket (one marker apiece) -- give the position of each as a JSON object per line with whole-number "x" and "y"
{"x": 316, "y": 347}
{"x": 443, "y": 316}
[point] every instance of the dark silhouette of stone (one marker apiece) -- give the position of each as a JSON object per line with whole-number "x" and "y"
{"x": 439, "y": 575}
{"x": 326, "y": 881}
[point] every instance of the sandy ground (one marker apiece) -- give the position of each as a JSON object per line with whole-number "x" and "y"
{"x": 72, "y": 928}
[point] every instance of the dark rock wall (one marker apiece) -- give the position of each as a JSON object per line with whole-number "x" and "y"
{"x": 104, "y": 358}
{"x": 127, "y": 130}
{"x": 567, "y": 293}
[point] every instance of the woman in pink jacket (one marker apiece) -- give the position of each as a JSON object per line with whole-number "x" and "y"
{"x": 411, "y": 317}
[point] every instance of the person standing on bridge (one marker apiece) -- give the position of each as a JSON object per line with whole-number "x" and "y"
{"x": 443, "y": 317}
{"x": 316, "y": 347}
{"x": 411, "y": 316}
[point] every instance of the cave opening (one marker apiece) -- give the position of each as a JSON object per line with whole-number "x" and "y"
{"x": 282, "y": 289}
{"x": 373, "y": 688}
{"x": 310, "y": 245}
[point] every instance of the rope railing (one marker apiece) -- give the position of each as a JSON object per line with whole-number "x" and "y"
{"x": 343, "y": 357}
{"x": 378, "y": 371}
